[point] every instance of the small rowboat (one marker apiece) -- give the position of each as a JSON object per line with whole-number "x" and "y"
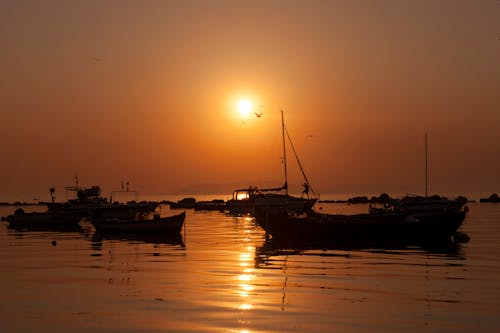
{"x": 171, "y": 224}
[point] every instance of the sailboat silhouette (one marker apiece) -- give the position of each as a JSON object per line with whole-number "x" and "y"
{"x": 248, "y": 200}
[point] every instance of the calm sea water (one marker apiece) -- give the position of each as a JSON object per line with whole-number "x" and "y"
{"x": 222, "y": 275}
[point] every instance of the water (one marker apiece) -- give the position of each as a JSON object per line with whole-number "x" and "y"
{"x": 222, "y": 275}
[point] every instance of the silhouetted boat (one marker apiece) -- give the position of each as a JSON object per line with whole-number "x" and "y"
{"x": 494, "y": 198}
{"x": 89, "y": 202}
{"x": 247, "y": 200}
{"x": 419, "y": 204}
{"x": 122, "y": 211}
{"x": 397, "y": 226}
{"x": 20, "y": 219}
{"x": 171, "y": 224}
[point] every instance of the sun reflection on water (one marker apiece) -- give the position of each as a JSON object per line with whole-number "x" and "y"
{"x": 246, "y": 277}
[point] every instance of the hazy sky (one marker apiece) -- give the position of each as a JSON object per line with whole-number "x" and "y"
{"x": 146, "y": 91}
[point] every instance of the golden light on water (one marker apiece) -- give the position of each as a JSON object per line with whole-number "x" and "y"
{"x": 245, "y": 306}
{"x": 246, "y": 287}
{"x": 246, "y": 278}
{"x": 244, "y": 257}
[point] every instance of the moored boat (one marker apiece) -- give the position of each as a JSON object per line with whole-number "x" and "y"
{"x": 418, "y": 204}
{"x": 171, "y": 224}
{"x": 21, "y": 219}
{"x": 122, "y": 211}
{"x": 384, "y": 225}
{"x": 88, "y": 201}
{"x": 248, "y": 200}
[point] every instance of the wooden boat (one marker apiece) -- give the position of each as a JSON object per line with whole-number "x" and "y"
{"x": 247, "y": 200}
{"x": 171, "y": 224}
{"x": 385, "y": 225}
{"x": 20, "y": 219}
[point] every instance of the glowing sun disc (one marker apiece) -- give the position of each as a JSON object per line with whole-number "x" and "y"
{"x": 245, "y": 107}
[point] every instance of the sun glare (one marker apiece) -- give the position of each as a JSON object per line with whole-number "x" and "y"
{"x": 245, "y": 107}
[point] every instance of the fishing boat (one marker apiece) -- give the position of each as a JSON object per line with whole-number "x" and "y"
{"x": 416, "y": 204}
{"x": 171, "y": 224}
{"x": 395, "y": 226}
{"x": 413, "y": 217}
{"x": 89, "y": 203}
{"x": 247, "y": 200}
{"x": 21, "y": 219}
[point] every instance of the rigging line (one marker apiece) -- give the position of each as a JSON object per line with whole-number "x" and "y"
{"x": 298, "y": 161}
{"x": 285, "y": 186}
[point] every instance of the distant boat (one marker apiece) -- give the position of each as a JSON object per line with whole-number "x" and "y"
{"x": 168, "y": 225}
{"x": 248, "y": 200}
{"x": 426, "y": 204}
{"x": 20, "y": 219}
{"x": 433, "y": 204}
{"x": 494, "y": 198}
{"x": 89, "y": 202}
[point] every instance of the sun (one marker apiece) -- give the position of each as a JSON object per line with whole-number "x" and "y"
{"x": 245, "y": 107}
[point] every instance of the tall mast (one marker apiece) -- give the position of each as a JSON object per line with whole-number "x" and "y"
{"x": 284, "y": 151}
{"x": 426, "y": 188}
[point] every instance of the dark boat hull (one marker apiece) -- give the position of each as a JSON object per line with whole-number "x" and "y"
{"x": 104, "y": 210}
{"x": 388, "y": 226}
{"x": 43, "y": 220}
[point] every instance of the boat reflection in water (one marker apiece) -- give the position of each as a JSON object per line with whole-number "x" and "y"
{"x": 175, "y": 239}
{"x": 283, "y": 247}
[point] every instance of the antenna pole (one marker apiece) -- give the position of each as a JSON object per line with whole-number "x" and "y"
{"x": 284, "y": 151}
{"x": 426, "y": 172}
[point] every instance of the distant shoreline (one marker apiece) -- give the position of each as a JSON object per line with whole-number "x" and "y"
{"x": 225, "y": 197}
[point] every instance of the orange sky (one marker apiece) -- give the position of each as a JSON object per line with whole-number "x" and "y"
{"x": 146, "y": 92}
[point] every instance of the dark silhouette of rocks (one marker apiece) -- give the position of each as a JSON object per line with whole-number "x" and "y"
{"x": 358, "y": 200}
{"x": 492, "y": 198}
{"x": 184, "y": 203}
{"x": 382, "y": 199}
